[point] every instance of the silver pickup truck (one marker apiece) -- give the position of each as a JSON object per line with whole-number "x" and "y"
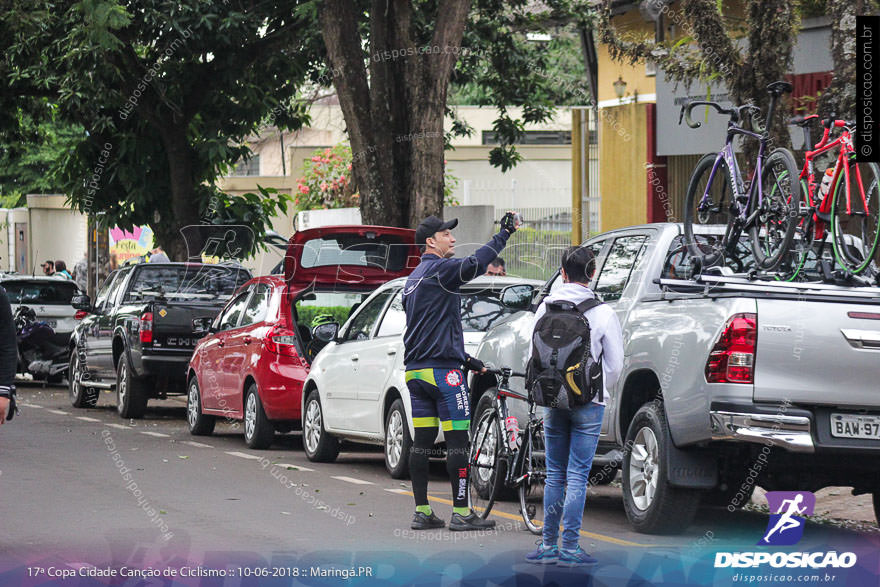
{"x": 727, "y": 382}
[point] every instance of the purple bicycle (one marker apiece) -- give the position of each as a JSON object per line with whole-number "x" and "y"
{"x": 717, "y": 193}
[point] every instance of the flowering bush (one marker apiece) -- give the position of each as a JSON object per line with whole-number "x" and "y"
{"x": 326, "y": 180}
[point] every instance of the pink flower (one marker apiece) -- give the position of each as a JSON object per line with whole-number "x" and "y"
{"x": 348, "y": 167}
{"x": 303, "y": 189}
{"x": 327, "y": 151}
{"x": 323, "y": 186}
{"x": 342, "y": 177}
{"x": 316, "y": 159}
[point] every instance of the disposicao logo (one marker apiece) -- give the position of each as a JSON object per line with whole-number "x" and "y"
{"x": 785, "y": 528}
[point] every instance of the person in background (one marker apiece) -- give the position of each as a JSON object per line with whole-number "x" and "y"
{"x": 81, "y": 273}
{"x": 496, "y": 267}
{"x": 157, "y": 255}
{"x": 61, "y": 269}
{"x": 8, "y": 359}
{"x": 48, "y": 267}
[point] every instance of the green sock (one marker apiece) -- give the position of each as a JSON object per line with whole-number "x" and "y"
{"x": 461, "y": 511}
{"x": 425, "y": 509}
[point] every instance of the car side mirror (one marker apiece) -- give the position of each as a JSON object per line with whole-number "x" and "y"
{"x": 325, "y": 332}
{"x": 81, "y": 302}
{"x": 202, "y": 326}
{"x": 518, "y": 297}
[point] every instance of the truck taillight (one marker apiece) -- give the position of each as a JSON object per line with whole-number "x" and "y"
{"x": 732, "y": 359}
{"x": 281, "y": 341}
{"x": 145, "y": 327}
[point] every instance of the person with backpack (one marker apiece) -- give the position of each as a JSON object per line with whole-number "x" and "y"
{"x": 576, "y": 357}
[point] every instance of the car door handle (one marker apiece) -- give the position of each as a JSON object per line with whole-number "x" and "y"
{"x": 221, "y": 343}
{"x": 355, "y": 358}
{"x": 392, "y": 352}
{"x": 248, "y": 340}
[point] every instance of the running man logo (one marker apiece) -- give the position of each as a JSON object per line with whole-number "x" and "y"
{"x": 786, "y": 525}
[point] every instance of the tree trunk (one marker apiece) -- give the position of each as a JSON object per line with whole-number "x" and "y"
{"x": 394, "y": 122}
{"x": 840, "y": 97}
{"x": 184, "y": 207}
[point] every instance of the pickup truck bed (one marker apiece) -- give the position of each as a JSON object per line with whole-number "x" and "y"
{"x": 741, "y": 382}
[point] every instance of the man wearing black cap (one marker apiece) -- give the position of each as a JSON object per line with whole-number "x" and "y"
{"x": 435, "y": 362}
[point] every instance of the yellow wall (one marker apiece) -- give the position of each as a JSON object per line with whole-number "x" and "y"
{"x": 628, "y": 26}
{"x": 622, "y": 158}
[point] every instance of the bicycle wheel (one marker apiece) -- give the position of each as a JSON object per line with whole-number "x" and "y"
{"x": 484, "y": 472}
{"x": 534, "y": 474}
{"x": 708, "y": 201}
{"x": 777, "y": 217}
{"x": 855, "y": 236}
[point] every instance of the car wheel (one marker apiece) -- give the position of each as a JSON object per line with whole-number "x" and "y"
{"x": 80, "y": 396}
{"x": 319, "y": 445}
{"x": 652, "y": 504}
{"x": 258, "y": 430}
{"x": 199, "y": 424}
{"x": 131, "y": 392}
{"x": 397, "y": 441}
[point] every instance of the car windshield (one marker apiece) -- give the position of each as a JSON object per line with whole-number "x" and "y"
{"x": 387, "y": 252}
{"x": 187, "y": 281}
{"x": 39, "y": 292}
{"x": 481, "y": 311}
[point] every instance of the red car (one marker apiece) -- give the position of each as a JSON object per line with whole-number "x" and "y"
{"x": 254, "y": 356}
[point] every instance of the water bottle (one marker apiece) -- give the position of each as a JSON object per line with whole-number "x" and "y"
{"x": 512, "y": 426}
{"x": 825, "y": 186}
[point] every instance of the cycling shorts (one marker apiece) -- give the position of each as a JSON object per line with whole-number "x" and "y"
{"x": 439, "y": 397}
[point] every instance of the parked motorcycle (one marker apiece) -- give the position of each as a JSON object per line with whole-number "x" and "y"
{"x": 37, "y": 353}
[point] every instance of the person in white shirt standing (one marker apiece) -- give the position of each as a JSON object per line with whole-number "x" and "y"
{"x": 572, "y": 435}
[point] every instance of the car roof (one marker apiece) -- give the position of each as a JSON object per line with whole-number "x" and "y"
{"x": 45, "y": 278}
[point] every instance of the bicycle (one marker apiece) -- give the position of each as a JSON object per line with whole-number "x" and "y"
{"x": 850, "y": 218}
{"x": 761, "y": 205}
{"x": 508, "y": 458}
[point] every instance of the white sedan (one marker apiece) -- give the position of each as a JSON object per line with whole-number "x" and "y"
{"x": 355, "y": 389}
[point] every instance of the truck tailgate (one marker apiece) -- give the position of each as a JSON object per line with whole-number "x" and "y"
{"x": 172, "y": 323}
{"x": 818, "y": 353}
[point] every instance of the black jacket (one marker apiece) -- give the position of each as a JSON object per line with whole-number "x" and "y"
{"x": 433, "y": 309}
{"x": 8, "y": 345}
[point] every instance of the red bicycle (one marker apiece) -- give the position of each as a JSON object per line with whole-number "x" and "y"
{"x": 844, "y": 203}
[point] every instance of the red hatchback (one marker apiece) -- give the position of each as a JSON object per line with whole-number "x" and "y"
{"x": 254, "y": 356}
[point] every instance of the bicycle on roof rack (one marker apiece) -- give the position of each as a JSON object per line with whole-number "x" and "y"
{"x": 763, "y": 205}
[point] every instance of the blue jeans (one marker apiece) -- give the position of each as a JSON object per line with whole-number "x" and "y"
{"x": 570, "y": 438}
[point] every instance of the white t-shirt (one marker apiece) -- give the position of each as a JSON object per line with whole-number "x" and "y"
{"x": 606, "y": 338}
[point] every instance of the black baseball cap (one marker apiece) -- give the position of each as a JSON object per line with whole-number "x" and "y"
{"x": 431, "y": 225}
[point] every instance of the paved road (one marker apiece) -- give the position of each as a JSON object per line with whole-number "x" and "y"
{"x": 83, "y": 486}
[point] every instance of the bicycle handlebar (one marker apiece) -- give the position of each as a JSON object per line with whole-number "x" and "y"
{"x": 505, "y": 372}
{"x": 736, "y": 113}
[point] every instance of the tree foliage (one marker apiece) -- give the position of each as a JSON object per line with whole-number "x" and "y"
{"x": 167, "y": 92}
{"x": 746, "y": 55}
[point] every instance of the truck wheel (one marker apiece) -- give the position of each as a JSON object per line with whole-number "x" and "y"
{"x": 131, "y": 392}
{"x": 652, "y": 505}
{"x": 397, "y": 442}
{"x": 320, "y": 446}
{"x": 258, "y": 430}
{"x": 80, "y": 396}
{"x": 199, "y": 424}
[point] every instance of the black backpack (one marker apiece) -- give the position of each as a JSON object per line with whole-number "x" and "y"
{"x": 562, "y": 372}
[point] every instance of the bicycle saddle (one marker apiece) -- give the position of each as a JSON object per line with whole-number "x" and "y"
{"x": 801, "y": 120}
{"x": 779, "y": 87}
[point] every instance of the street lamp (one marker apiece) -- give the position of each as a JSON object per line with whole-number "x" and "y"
{"x": 620, "y": 87}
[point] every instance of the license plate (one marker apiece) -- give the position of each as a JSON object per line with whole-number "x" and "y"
{"x": 855, "y": 426}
